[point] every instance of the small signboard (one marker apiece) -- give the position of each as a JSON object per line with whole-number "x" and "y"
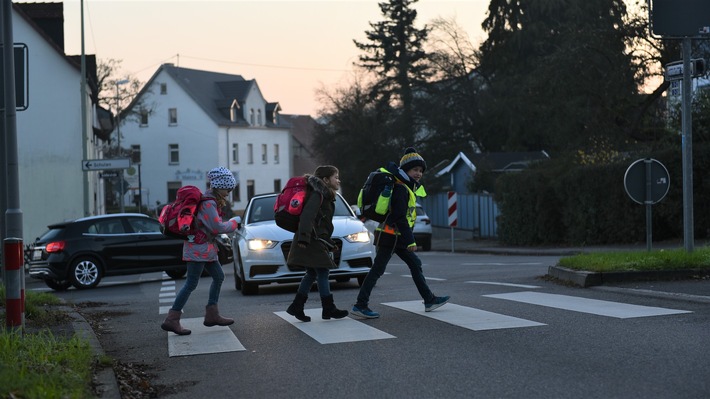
{"x": 22, "y": 91}
{"x": 101, "y": 164}
{"x": 680, "y": 18}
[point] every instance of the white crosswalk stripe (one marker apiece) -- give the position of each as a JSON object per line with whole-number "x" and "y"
{"x": 466, "y": 317}
{"x": 502, "y": 284}
{"x": 334, "y": 331}
{"x": 203, "y": 340}
{"x": 586, "y": 305}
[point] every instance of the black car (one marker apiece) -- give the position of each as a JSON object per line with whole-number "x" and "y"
{"x": 82, "y": 251}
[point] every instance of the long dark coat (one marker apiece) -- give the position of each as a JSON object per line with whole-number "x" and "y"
{"x": 316, "y": 221}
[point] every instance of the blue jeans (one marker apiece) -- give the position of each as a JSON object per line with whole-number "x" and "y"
{"x": 378, "y": 269}
{"x": 194, "y": 271}
{"x": 313, "y": 274}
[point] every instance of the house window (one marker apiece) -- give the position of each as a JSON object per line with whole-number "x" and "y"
{"x": 250, "y": 153}
{"x": 258, "y": 117}
{"x": 144, "y": 117}
{"x": 277, "y": 185}
{"x": 263, "y": 153}
{"x": 172, "y": 116}
{"x": 235, "y": 193}
{"x": 250, "y": 189}
{"x": 174, "y": 155}
{"x": 235, "y": 153}
{"x": 251, "y": 116}
{"x": 173, "y": 187}
{"x": 163, "y": 88}
{"x": 276, "y": 153}
{"x": 135, "y": 153}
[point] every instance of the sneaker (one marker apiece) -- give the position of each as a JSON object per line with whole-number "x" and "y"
{"x": 437, "y": 302}
{"x": 364, "y": 312}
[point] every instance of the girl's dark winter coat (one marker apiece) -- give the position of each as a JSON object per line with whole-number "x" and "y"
{"x": 316, "y": 221}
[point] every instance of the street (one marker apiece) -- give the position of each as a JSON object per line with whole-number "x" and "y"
{"x": 506, "y": 333}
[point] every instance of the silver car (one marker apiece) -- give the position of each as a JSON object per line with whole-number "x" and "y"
{"x": 261, "y": 247}
{"x": 422, "y": 229}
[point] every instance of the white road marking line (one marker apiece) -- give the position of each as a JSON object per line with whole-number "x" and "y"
{"x": 503, "y": 284}
{"x": 166, "y": 294}
{"x": 164, "y": 309}
{"x": 166, "y": 300}
{"x": 168, "y": 288}
{"x": 428, "y": 278}
{"x": 168, "y": 282}
{"x": 203, "y": 340}
{"x": 466, "y": 317}
{"x": 585, "y": 305}
{"x": 334, "y": 331}
{"x": 500, "y": 263}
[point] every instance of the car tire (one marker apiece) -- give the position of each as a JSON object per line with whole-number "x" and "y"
{"x": 426, "y": 244}
{"x": 58, "y": 285}
{"x": 85, "y": 272}
{"x": 176, "y": 273}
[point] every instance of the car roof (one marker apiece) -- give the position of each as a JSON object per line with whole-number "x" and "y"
{"x": 95, "y": 217}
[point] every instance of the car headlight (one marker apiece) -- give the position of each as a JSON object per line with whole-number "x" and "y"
{"x": 258, "y": 244}
{"x": 362, "y": 236}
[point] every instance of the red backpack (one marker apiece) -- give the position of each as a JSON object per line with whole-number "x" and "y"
{"x": 177, "y": 219}
{"x": 289, "y": 204}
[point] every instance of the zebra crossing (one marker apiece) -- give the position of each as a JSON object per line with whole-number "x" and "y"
{"x": 205, "y": 340}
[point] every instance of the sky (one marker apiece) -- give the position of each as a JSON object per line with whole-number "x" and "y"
{"x": 293, "y": 48}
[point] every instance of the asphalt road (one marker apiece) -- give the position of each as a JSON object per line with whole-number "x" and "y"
{"x": 507, "y": 333}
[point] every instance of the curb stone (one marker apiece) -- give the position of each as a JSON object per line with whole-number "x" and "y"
{"x": 105, "y": 377}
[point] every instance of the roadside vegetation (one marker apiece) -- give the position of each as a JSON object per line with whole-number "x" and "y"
{"x": 41, "y": 363}
{"x": 655, "y": 260}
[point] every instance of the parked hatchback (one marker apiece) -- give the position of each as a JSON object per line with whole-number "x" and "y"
{"x": 82, "y": 251}
{"x": 422, "y": 229}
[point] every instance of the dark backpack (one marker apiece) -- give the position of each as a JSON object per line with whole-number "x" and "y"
{"x": 177, "y": 219}
{"x": 374, "y": 197}
{"x": 289, "y": 204}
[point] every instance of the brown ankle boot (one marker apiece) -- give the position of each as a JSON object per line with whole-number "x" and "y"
{"x": 172, "y": 323}
{"x": 212, "y": 317}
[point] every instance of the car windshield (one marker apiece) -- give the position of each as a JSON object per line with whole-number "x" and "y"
{"x": 262, "y": 209}
{"x": 420, "y": 211}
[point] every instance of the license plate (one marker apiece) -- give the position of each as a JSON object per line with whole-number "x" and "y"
{"x": 37, "y": 254}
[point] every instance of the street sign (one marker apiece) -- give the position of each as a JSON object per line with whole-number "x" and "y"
{"x": 109, "y": 174}
{"x": 674, "y": 70}
{"x": 22, "y": 90}
{"x": 640, "y": 175}
{"x": 101, "y": 164}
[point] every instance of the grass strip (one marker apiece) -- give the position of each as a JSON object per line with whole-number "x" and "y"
{"x": 655, "y": 260}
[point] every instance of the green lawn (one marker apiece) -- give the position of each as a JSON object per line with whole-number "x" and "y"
{"x": 675, "y": 259}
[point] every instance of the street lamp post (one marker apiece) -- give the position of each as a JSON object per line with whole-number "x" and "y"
{"x": 118, "y": 133}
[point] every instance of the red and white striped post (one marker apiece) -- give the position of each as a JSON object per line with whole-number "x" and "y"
{"x": 14, "y": 284}
{"x": 453, "y": 218}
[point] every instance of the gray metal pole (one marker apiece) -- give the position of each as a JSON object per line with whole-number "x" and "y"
{"x": 687, "y": 127}
{"x": 3, "y": 165}
{"x": 84, "y": 129}
{"x": 13, "y": 214}
{"x": 120, "y": 152}
{"x": 649, "y": 215}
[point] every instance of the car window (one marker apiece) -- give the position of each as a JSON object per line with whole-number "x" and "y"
{"x": 262, "y": 209}
{"x": 51, "y": 234}
{"x": 106, "y": 226}
{"x": 341, "y": 208}
{"x": 420, "y": 211}
{"x": 144, "y": 225}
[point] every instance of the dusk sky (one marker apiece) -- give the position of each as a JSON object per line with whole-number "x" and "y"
{"x": 292, "y": 48}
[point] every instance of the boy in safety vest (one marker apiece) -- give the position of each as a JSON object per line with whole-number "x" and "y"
{"x": 394, "y": 235}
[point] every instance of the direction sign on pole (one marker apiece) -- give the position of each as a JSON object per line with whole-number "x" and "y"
{"x": 101, "y": 164}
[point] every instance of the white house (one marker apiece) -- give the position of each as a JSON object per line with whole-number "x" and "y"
{"x": 49, "y": 131}
{"x": 185, "y": 122}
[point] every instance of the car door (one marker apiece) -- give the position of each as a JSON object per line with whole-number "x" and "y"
{"x": 111, "y": 242}
{"x": 154, "y": 250}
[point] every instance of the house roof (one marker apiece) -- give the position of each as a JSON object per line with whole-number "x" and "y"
{"x": 214, "y": 92}
{"x": 496, "y": 161}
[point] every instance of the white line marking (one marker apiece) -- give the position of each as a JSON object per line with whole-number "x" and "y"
{"x": 585, "y": 305}
{"x": 203, "y": 340}
{"x": 166, "y": 300}
{"x": 169, "y": 282}
{"x": 462, "y": 316}
{"x": 504, "y": 284}
{"x": 500, "y": 263}
{"x": 428, "y": 278}
{"x": 334, "y": 331}
{"x": 166, "y": 294}
{"x": 167, "y": 289}
{"x": 164, "y": 309}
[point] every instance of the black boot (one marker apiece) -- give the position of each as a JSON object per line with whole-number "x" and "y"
{"x": 329, "y": 309}
{"x": 296, "y": 307}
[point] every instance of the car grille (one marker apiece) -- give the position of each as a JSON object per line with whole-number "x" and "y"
{"x": 360, "y": 262}
{"x": 286, "y": 247}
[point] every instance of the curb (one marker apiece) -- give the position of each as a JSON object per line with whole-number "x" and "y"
{"x": 589, "y": 279}
{"x": 105, "y": 377}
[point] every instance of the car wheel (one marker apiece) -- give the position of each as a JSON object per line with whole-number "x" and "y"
{"x": 238, "y": 280}
{"x": 58, "y": 285}
{"x": 426, "y": 244}
{"x": 85, "y": 272}
{"x": 176, "y": 273}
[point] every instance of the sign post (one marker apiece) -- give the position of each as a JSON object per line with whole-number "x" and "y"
{"x": 453, "y": 219}
{"x": 647, "y": 182}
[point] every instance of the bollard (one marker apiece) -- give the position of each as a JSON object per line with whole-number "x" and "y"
{"x": 14, "y": 287}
